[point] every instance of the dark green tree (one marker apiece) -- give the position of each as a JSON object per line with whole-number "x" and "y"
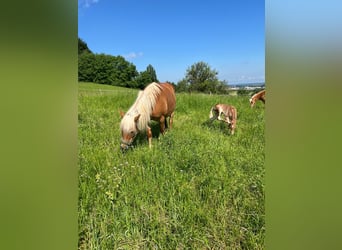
{"x": 86, "y": 71}
{"x": 123, "y": 73}
{"x": 150, "y": 70}
{"x": 146, "y": 77}
{"x": 82, "y": 47}
{"x": 143, "y": 79}
{"x": 106, "y": 69}
{"x": 103, "y": 67}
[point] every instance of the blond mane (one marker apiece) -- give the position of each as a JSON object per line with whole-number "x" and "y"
{"x": 143, "y": 105}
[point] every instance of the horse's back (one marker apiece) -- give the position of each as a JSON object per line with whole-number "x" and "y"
{"x": 170, "y": 95}
{"x": 166, "y": 101}
{"x": 262, "y": 94}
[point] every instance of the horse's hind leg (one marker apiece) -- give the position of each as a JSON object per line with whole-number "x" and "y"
{"x": 171, "y": 119}
{"x": 162, "y": 122}
{"x": 227, "y": 120}
{"x": 219, "y": 117}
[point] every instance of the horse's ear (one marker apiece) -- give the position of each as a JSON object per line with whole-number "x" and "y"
{"x": 121, "y": 113}
{"x": 136, "y": 118}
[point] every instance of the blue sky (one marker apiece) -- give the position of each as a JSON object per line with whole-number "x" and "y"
{"x": 172, "y": 35}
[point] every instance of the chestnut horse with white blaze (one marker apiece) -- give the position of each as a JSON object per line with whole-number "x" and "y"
{"x": 261, "y": 95}
{"x": 156, "y": 102}
{"x": 229, "y": 113}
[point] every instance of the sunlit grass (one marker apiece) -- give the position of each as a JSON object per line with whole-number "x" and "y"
{"x": 197, "y": 188}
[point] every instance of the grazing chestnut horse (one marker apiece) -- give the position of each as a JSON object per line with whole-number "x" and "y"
{"x": 156, "y": 102}
{"x": 261, "y": 95}
{"x": 229, "y": 113}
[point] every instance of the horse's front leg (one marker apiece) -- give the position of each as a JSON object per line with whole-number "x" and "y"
{"x": 149, "y": 136}
{"x": 220, "y": 118}
{"x": 166, "y": 125}
{"x": 227, "y": 120}
{"x": 232, "y": 126}
{"x": 214, "y": 117}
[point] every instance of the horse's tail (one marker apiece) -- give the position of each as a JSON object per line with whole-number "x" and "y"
{"x": 211, "y": 114}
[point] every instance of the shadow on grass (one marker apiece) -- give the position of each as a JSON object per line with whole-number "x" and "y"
{"x": 141, "y": 139}
{"x": 216, "y": 125}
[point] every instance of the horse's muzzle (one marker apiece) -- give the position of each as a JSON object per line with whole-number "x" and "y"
{"x": 124, "y": 146}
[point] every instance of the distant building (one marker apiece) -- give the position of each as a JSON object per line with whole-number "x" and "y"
{"x": 247, "y": 86}
{"x": 253, "y": 87}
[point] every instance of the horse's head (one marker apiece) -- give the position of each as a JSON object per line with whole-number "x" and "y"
{"x": 129, "y": 130}
{"x": 252, "y": 102}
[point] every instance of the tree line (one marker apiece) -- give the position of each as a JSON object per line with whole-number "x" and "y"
{"x": 115, "y": 70}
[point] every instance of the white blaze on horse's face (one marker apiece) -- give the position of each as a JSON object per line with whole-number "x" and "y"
{"x": 129, "y": 130}
{"x": 251, "y": 101}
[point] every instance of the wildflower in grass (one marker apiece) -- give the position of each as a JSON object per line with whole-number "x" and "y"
{"x": 98, "y": 177}
{"x": 110, "y": 195}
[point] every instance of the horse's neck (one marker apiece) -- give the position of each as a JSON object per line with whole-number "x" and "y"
{"x": 261, "y": 96}
{"x": 140, "y": 108}
{"x": 257, "y": 97}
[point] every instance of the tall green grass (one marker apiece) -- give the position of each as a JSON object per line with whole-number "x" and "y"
{"x": 197, "y": 188}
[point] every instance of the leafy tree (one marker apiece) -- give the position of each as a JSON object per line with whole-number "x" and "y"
{"x": 182, "y": 86}
{"x": 146, "y": 77}
{"x": 200, "y": 77}
{"x": 198, "y": 73}
{"x": 82, "y": 47}
{"x": 123, "y": 73}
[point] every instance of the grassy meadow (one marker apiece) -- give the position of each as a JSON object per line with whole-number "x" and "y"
{"x": 197, "y": 188}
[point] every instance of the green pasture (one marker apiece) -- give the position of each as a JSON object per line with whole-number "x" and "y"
{"x": 197, "y": 188}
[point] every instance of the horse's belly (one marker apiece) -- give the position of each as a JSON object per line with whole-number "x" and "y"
{"x": 156, "y": 116}
{"x": 163, "y": 109}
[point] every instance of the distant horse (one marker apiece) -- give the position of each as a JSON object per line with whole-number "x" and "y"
{"x": 156, "y": 102}
{"x": 229, "y": 113}
{"x": 261, "y": 95}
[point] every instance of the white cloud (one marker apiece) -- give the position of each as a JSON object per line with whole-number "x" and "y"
{"x": 133, "y": 55}
{"x": 86, "y": 3}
